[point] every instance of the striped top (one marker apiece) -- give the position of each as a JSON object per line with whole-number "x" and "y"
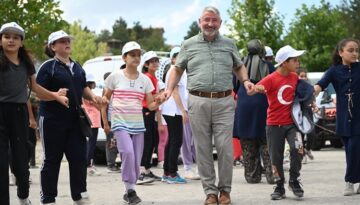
{"x": 126, "y": 113}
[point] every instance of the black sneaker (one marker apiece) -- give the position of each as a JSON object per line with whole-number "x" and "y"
{"x": 144, "y": 179}
{"x": 295, "y": 187}
{"x": 153, "y": 176}
{"x": 131, "y": 197}
{"x": 279, "y": 192}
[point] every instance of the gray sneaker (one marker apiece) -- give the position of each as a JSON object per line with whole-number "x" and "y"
{"x": 349, "y": 189}
{"x": 144, "y": 179}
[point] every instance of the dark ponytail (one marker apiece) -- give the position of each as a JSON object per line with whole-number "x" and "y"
{"x": 48, "y": 51}
{"x": 336, "y": 58}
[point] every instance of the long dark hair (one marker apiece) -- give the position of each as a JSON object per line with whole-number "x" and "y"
{"x": 24, "y": 56}
{"x": 336, "y": 58}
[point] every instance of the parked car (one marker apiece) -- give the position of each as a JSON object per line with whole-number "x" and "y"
{"x": 325, "y": 119}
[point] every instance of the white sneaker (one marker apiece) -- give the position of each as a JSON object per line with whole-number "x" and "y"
{"x": 304, "y": 160}
{"x": 349, "y": 189}
{"x": 85, "y": 200}
{"x": 24, "y": 201}
{"x": 190, "y": 174}
{"x": 160, "y": 165}
{"x": 92, "y": 171}
{"x": 12, "y": 180}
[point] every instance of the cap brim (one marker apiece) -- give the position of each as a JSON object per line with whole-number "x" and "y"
{"x": 296, "y": 53}
{"x": 292, "y": 55}
{"x": 14, "y": 30}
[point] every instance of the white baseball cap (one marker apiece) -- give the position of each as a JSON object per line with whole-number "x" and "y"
{"x": 286, "y": 52}
{"x": 149, "y": 55}
{"x": 268, "y": 51}
{"x": 13, "y": 27}
{"x": 129, "y": 46}
{"x": 174, "y": 51}
{"x": 54, "y": 36}
{"x": 90, "y": 77}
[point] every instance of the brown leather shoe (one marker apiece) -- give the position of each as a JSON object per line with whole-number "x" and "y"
{"x": 211, "y": 199}
{"x": 224, "y": 198}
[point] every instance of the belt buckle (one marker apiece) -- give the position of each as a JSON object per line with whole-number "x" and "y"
{"x": 211, "y": 94}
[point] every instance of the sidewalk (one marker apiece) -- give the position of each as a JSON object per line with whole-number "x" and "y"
{"x": 323, "y": 181}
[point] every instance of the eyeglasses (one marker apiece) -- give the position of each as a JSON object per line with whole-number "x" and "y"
{"x": 154, "y": 60}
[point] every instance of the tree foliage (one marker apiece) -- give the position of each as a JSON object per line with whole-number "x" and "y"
{"x": 194, "y": 29}
{"x": 255, "y": 19}
{"x": 317, "y": 30}
{"x": 38, "y": 18}
{"x": 84, "y": 45}
{"x": 350, "y": 10}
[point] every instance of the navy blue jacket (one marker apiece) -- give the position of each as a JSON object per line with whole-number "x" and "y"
{"x": 53, "y": 75}
{"x": 346, "y": 81}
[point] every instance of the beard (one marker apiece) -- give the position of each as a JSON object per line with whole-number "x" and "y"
{"x": 210, "y": 33}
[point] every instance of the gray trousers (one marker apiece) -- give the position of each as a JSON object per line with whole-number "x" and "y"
{"x": 276, "y": 136}
{"x": 212, "y": 120}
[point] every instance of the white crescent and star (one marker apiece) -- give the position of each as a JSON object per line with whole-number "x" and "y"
{"x": 280, "y": 95}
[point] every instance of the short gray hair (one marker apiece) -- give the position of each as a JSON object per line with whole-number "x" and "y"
{"x": 212, "y": 9}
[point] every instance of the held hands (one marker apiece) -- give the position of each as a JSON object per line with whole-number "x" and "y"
{"x": 259, "y": 89}
{"x": 105, "y": 100}
{"x": 163, "y": 96}
{"x": 96, "y": 100}
{"x": 249, "y": 86}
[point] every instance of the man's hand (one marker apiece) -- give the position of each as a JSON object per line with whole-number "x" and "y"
{"x": 249, "y": 86}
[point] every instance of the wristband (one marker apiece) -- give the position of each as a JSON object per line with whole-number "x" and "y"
{"x": 245, "y": 80}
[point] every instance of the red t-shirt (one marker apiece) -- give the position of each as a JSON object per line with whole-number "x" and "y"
{"x": 154, "y": 82}
{"x": 280, "y": 92}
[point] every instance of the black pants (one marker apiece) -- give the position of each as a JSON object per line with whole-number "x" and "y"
{"x": 32, "y": 146}
{"x": 91, "y": 145}
{"x": 151, "y": 137}
{"x": 276, "y": 136}
{"x": 61, "y": 137}
{"x": 172, "y": 149}
{"x": 14, "y": 132}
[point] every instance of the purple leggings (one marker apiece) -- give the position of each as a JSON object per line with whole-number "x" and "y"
{"x": 130, "y": 147}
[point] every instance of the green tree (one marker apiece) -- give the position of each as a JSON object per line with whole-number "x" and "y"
{"x": 104, "y": 36}
{"x": 84, "y": 45}
{"x": 120, "y": 31}
{"x": 38, "y": 18}
{"x": 255, "y": 19}
{"x": 194, "y": 29}
{"x": 351, "y": 16}
{"x": 316, "y": 30}
{"x": 153, "y": 40}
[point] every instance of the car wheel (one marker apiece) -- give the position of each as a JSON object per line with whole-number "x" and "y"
{"x": 337, "y": 143}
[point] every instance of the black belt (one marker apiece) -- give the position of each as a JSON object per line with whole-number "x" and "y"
{"x": 211, "y": 94}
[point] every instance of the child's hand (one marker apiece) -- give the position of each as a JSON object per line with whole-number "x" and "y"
{"x": 260, "y": 89}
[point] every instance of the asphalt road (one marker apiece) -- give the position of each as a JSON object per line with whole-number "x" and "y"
{"x": 322, "y": 179}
